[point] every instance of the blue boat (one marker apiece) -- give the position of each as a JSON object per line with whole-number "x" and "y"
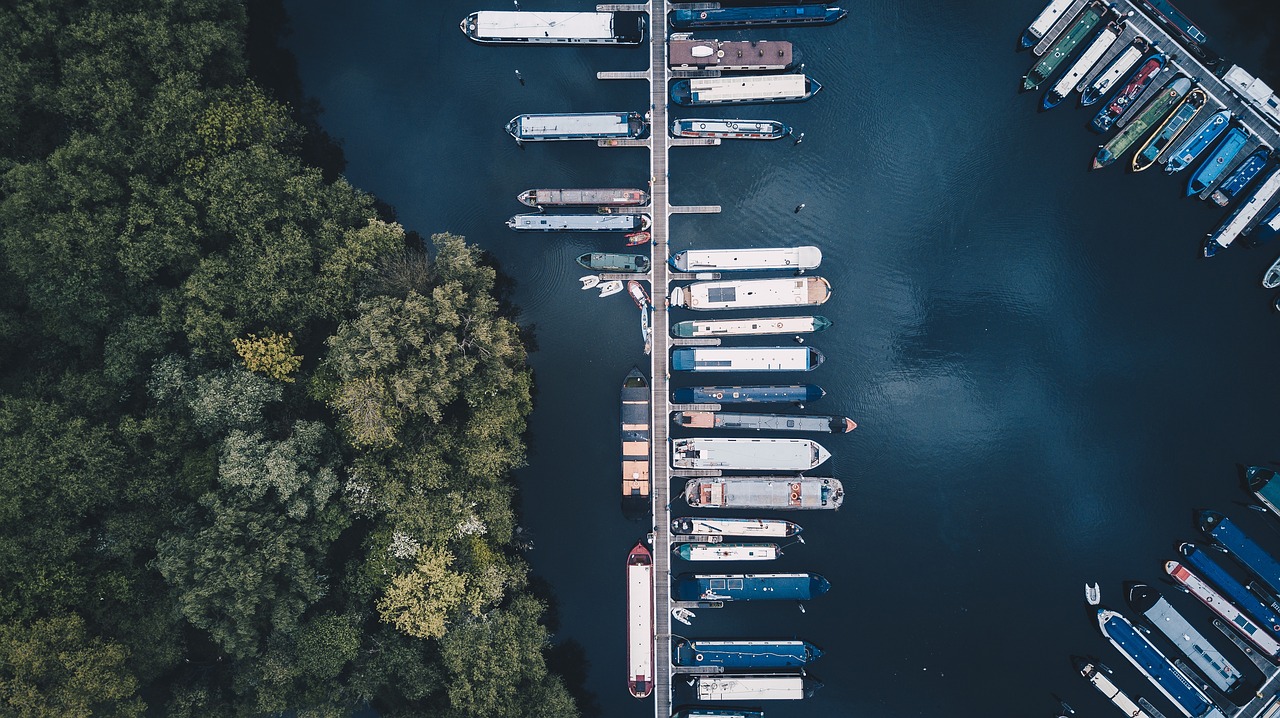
{"x": 1244, "y": 174}
{"x": 1153, "y": 664}
{"x": 1148, "y": 601}
{"x": 1213, "y": 167}
{"x": 753, "y": 394}
{"x": 1230, "y": 587}
{"x": 1181, "y": 28}
{"x": 1238, "y": 544}
{"x": 744, "y": 655}
{"x": 757, "y": 16}
{"x": 1128, "y": 93}
{"x": 1195, "y": 143}
{"x": 748, "y": 586}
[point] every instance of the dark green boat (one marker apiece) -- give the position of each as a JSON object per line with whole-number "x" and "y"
{"x": 607, "y": 262}
{"x": 1155, "y": 111}
{"x": 1066, "y": 45}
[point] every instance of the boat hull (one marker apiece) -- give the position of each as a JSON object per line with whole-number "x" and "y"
{"x": 711, "y": 91}
{"x": 727, "y": 551}
{"x": 1169, "y": 130}
{"x": 609, "y": 197}
{"x": 760, "y": 326}
{"x": 1190, "y": 148}
{"x": 578, "y": 126}
{"x": 1128, "y": 93}
{"x": 607, "y": 262}
{"x": 731, "y": 129}
{"x": 756, "y": 17}
{"x": 553, "y": 28}
{"x": 1241, "y": 177}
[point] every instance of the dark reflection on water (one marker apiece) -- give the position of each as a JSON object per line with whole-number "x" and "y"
{"x": 1046, "y": 374}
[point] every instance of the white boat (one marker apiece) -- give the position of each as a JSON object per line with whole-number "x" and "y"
{"x": 730, "y": 129}
{"x": 1271, "y": 279}
{"x": 749, "y": 327}
{"x": 727, "y": 551}
{"x": 1244, "y": 215}
{"x": 640, "y": 621}
{"x": 1045, "y": 20}
{"x": 683, "y": 615}
{"x": 1092, "y": 594}
{"x": 755, "y": 528}
{"x": 747, "y": 454}
{"x": 590, "y": 281}
{"x": 1082, "y": 65}
{"x": 1112, "y": 73}
{"x": 539, "y": 222}
{"x": 789, "y": 493}
{"x": 752, "y": 293}
{"x": 751, "y": 89}
{"x": 731, "y": 260}
{"x": 610, "y": 288}
{"x": 554, "y": 28}
{"x": 721, "y": 359}
{"x": 754, "y": 687}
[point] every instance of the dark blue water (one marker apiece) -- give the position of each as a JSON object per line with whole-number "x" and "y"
{"x": 1047, "y": 376}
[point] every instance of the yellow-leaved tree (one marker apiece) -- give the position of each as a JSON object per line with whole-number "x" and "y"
{"x": 271, "y": 354}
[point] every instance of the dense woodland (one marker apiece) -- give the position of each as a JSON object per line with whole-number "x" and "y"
{"x": 254, "y": 437}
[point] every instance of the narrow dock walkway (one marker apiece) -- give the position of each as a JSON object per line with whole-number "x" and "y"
{"x": 695, "y": 407}
{"x": 622, "y": 75}
{"x": 696, "y": 208}
{"x": 695, "y": 142}
{"x": 696, "y": 341}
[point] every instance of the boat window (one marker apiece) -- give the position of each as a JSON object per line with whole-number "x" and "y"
{"x": 735, "y": 583}
{"x": 721, "y": 294}
{"x": 714, "y": 362}
{"x": 716, "y": 583}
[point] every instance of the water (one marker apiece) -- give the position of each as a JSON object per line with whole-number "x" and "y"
{"x": 1046, "y": 375}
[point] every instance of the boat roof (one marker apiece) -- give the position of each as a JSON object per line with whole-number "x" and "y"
{"x": 716, "y": 89}
{"x": 805, "y": 257}
{"x": 1141, "y": 651}
{"x": 508, "y": 24}
{"x": 574, "y": 221}
{"x": 1194, "y": 645}
{"x": 1253, "y": 556}
{"x": 583, "y": 123}
{"x": 750, "y": 453}
{"x": 729, "y": 358}
{"x": 681, "y": 51}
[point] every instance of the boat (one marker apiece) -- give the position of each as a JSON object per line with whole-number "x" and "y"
{"x": 1092, "y": 594}
{"x": 791, "y": 493}
{"x": 638, "y": 295}
{"x": 686, "y": 53}
{"x": 754, "y": 687}
{"x": 1065, "y": 45}
{"x": 719, "y": 359}
{"x": 718, "y": 713}
{"x": 755, "y": 528}
{"x": 748, "y": 586}
{"x": 583, "y": 197}
{"x": 1271, "y": 279}
{"x": 752, "y": 293}
{"x": 744, "y": 655}
{"x": 1173, "y": 124}
{"x": 1096, "y": 49}
{"x": 640, "y": 621}
{"x": 1244, "y": 549}
{"x": 730, "y": 129}
{"x": 747, "y": 454}
{"x": 1045, "y": 20}
{"x": 1230, "y": 615}
{"x": 590, "y": 281}
{"x": 764, "y": 422}
{"x": 1101, "y": 681}
{"x": 1212, "y": 664}
{"x": 539, "y": 222}
{"x": 610, "y": 288}
{"x": 634, "y": 430}
{"x": 1239, "y": 221}
{"x": 1181, "y": 28}
{"x": 554, "y": 28}
{"x": 1227, "y": 584}
{"x": 1157, "y": 108}
{"x": 757, "y": 16}
{"x": 727, "y": 551}
{"x": 635, "y": 239}
{"x": 1241, "y": 177}
{"x": 739, "y": 260}
{"x": 754, "y": 394}
{"x": 578, "y": 126}
{"x": 1216, "y": 164}
{"x": 1127, "y": 94}
{"x": 683, "y": 615}
{"x": 1272, "y": 221}
{"x": 608, "y": 262}
{"x": 646, "y": 331}
{"x": 743, "y": 90}
{"x": 749, "y": 327}
{"x": 1104, "y": 80}
{"x": 1197, "y": 141}
{"x": 1153, "y": 664}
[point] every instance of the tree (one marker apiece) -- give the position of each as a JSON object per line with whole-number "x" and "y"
{"x": 271, "y": 354}
{"x": 419, "y": 602}
{"x": 52, "y": 668}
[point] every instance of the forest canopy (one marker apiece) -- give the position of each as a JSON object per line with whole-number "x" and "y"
{"x": 255, "y": 438}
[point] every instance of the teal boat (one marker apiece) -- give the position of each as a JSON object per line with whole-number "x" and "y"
{"x": 1065, "y": 46}
{"x": 1150, "y": 115}
{"x": 1211, "y": 169}
{"x": 607, "y": 262}
{"x": 1169, "y": 130}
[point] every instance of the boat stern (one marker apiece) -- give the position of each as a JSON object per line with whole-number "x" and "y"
{"x": 815, "y": 359}
{"x": 818, "y": 585}
{"x": 513, "y": 127}
{"x": 1208, "y": 520}
{"x": 468, "y": 25}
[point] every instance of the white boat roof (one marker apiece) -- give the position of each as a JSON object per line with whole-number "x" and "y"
{"x": 1100, "y": 45}
{"x": 1048, "y": 16}
{"x": 514, "y": 25}
{"x": 640, "y": 621}
{"x": 733, "y": 688}
{"x": 694, "y": 260}
{"x": 751, "y": 358}
{"x": 584, "y": 123}
{"x": 1119, "y": 66}
{"x": 740, "y": 527}
{"x": 765, "y": 325}
{"x": 731, "y": 293}
{"x": 574, "y": 221}
{"x": 732, "y": 552}
{"x": 1246, "y": 212}
{"x": 763, "y": 87}
{"x": 749, "y": 453}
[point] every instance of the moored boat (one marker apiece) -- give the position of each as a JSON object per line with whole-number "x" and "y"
{"x": 1212, "y": 664}
{"x": 753, "y": 394}
{"x": 730, "y": 129}
{"x": 749, "y": 327}
{"x": 609, "y": 262}
{"x": 754, "y": 687}
{"x": 764, "y": 422}
{"x": 752, "y": 293}
{"x": 1217, "y": 162}
{"x": 1197, "y": 141}
{"x": 1151, "y": 114}
{"x": 1108, "y": 77}
{"x": 640, "y": 621}
{"x": 634, "y": 431}
{"x": 744, "y": 655}
{"x": 748, "y": 586}
{"x": 770, "y": 16}
{"x": 1244, "y": 549}
{"x": 754, "y": 528}
{"x": 1230, "y": 615}
{"x": 1128, "y": 93}
{"x": 1096, "y": 49}
{"x": 1168, "y": 132}
{"x": 1241, "y": 177}
{"x": 578, "y": 126}
{"x": 638, "y": 295}
{"x": 584, "y": 197}
{"x": 1181, "y": 28}
{"x": 737, "y": 454}
{"x": 792, "y": 493}
{"x": 1092, "y": 594}
{"x": 1045, "y": 20}
{"x": 610, "y": 288}
{"x": 554, "y": 28}
{"x": 686, "y": 53}
{"x": 539, "y": 222}
{"x": 1271, "y": 279}
{"x": 743, "y": 90}
{"x": 692, "y": 551}
{"x": 1230, "y": 587}
{"x": 1101, "y": 681}
{"x": 1066, "y": 45}
{"x": 635, "y": 239}
{"x": 762, "y": 259}
{"x": 1240, "y": 220}
{"x": 721, "y": 359}
{"x": 697, "y": 712}
{"x": 1153, "y": 664}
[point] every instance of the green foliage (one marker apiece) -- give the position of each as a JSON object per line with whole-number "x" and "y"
{"x": 271, "y": 354}
{"x": 418, "y": 603}
{"x": 52, "y": 668}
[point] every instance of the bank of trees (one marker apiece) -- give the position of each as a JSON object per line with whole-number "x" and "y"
{"x": 254, "y": 440}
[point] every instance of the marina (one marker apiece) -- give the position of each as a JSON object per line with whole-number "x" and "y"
{"x": 1102, "y": 682}
{"x": 1244, "y": 549}
{"x": 1096, "y": 87}
{"x": 1078, "y": 69}
{"x": 1065, "y": 46}
{"x": 1231, "y": 615}
{"x": 1244, "y": 216}
{"x": 1153, "y": 664}
{"x": 785, "y": 493}
{"x": 1207, "y": 659}
{"x": 1169, "y": 130}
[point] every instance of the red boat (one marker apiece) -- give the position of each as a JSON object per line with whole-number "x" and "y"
{"x": 640, "y": 621}
{"x": 1125, "y": 96}
{"x": 638, "y": 295}
{"x": 637, "y": 238}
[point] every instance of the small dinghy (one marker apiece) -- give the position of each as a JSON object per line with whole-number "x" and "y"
{"x": 1271, "y": 279}
{"x": 638, "y": 295}
{"x": 683, "y": 615}
{"x": 1092, "y": 594}
{"x": 637, "y": 238}
{"x": 590, "y": 281}
{"x": 610, "y": 287}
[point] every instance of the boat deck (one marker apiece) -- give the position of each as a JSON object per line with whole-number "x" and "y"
{"x": 1064, "y": 21}
{"x": 1239, "y": 158}
{"x": 1126, "y": 37}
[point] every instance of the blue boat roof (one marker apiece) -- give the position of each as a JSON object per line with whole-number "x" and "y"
{"x": 1216, "y": 163}
{"x": 1230, "y": 587}
{"x": 1157, "y": 667}
{"x": 745, "y": 587}
{"x": 1242, "y": 547}
{"x": 744, "y": 654}
{"x": 1204, "y": 136}
{"x": 756, "y": 14}
{"x": 1245, "y": 173}
{"x": 772, "y": 393}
